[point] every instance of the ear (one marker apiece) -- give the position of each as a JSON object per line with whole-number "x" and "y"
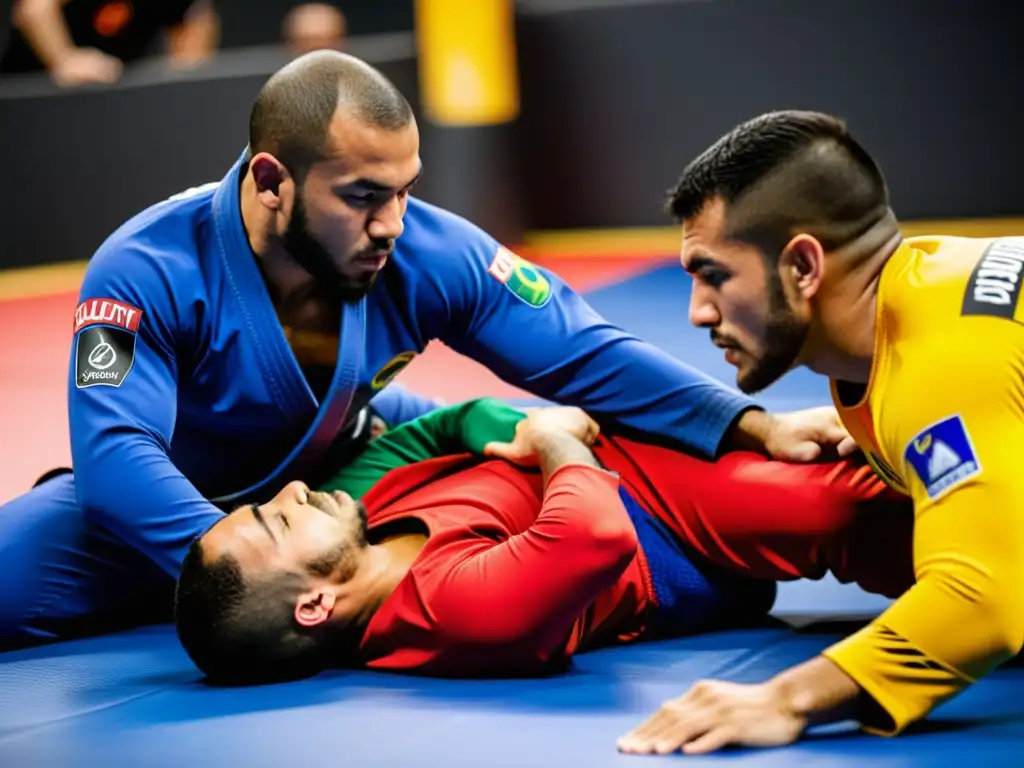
{"x": 802, "y": 264}
{"x": 314, "y": 607}
{"x": 269, "y": 174}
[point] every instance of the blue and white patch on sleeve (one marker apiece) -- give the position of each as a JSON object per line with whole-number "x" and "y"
{"x": 942, "y": 456}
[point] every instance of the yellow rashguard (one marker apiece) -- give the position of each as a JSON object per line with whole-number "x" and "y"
{"x": 942, "y": 419}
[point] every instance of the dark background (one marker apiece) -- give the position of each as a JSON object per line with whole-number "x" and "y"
{"x": 616, "y": 98}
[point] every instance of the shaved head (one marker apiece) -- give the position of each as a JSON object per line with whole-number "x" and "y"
{"x": 292, "y": 114}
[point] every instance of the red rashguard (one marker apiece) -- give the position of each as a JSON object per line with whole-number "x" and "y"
{"x": 509, "y": 570}
{"x": 772, "y": 519}
{"x": 512, "y": 581}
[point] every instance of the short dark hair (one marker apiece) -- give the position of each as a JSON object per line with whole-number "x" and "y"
{"x": 292, "y": 114}
{"x": 784, "y": 172}
{"x": 241, "y": 631}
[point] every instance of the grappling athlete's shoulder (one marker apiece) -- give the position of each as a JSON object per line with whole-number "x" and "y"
{"x": 935, "y": 284}
{"x": 163, "y": 241}
{"x": 435, "y": 231}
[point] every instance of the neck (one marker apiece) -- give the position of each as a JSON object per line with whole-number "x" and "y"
{"x": 384, "y": 567}
{"x": 842, "y": 343}
{"x": 255, "y": 218}
{"x": 284, "y": 277}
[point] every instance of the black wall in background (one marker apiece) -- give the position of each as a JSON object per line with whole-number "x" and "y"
{"x": 78, "y": 163}
{"x": 618, "y": 99}
{"x": 5, "y": 22}
{"x": 615, "y": 101}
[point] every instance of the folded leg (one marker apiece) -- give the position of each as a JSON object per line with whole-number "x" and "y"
{"x": 62, "y": 576}
{"x": 776, "y": 520}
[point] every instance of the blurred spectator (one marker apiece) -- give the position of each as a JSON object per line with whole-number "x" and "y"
{"x": 252, "y": 23}
{"x": 90, "y": 41}
{"x": 313, "y": 26}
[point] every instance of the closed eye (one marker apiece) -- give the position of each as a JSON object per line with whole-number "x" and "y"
{"x": 361, "y": 199}
{"x": 713, "y": 277}
{"x": 367, "y": 192}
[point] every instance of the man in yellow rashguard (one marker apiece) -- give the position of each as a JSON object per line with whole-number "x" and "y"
{"x": 797, "y": 260}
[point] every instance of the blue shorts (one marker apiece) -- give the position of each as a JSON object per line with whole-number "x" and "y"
{"x": 693, "y": 594}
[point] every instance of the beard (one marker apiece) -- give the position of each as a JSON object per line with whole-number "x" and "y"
{"x": 309, "y": 254}
{"x": 339, "y": 558}
{"x": 784, "y": 337}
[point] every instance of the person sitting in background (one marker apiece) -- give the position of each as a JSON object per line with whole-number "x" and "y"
{"x": 314, "y": 26}
{"x": 489, "y": 543}
{"x": 89, "y": 41}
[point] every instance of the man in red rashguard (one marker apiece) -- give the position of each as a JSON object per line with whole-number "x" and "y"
{"x": 467, "y": 565}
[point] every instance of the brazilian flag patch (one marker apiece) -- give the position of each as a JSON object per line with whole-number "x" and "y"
{"x": 526, "y": 282}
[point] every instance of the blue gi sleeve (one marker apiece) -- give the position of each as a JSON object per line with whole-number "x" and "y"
{"x": 528, "y": 327}
{"x": 397, "y": 405}
{"x": 122, "y": 399}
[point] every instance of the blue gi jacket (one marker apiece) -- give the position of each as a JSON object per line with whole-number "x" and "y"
{"x": 183, "y": 387}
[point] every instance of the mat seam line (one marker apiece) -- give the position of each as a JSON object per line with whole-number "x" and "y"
{"x": 85, "y": 713}
{"x": 747, "y": 656}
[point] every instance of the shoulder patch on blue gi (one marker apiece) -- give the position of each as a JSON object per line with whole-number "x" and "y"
{"x": 391, "y": 368}
{"x": 942, "y": 456}
{"x": 105, "y": 333}
{"x": 526, "y": 282}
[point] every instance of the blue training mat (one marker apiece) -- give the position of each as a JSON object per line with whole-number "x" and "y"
{"x": 135, "y": 698}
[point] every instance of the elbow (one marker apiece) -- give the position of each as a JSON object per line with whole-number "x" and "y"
{"x": 1003, "y": 635}
{"x": 1000, "y": 607}
{"x": 92, "y": 494}
{"x": 1006, "y": 616}
{"x": 992, "y": 605}
{"x": 595, "y": 515}
{"x": 613, "y": 538}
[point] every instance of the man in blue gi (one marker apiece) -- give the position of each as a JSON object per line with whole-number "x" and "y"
{"x": 241, "y": 335}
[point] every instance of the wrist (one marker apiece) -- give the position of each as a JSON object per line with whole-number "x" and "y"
{"x": 552, "y": 442}
{"x": 793, "y": 696}
{"x": 752, "y": 430}
{"x": 556, "y": 448}
{"x": 816, "y": 692}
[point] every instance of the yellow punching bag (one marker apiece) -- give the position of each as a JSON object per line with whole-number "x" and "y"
{"x": 469, "y": 102}
{"x": 467, "y": 61}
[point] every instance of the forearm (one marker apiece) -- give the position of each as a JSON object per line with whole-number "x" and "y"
{"x": 957, "y": 623}
{"x": 42, "y": 24}
{"x": 749, "y": 432}
{"x": 653, "y": 396}
{"x": 568, "y": 354}
{"x": 578, "y": 546}
{"x": 933, "y": 643}
{"x": 133, "y": 489}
